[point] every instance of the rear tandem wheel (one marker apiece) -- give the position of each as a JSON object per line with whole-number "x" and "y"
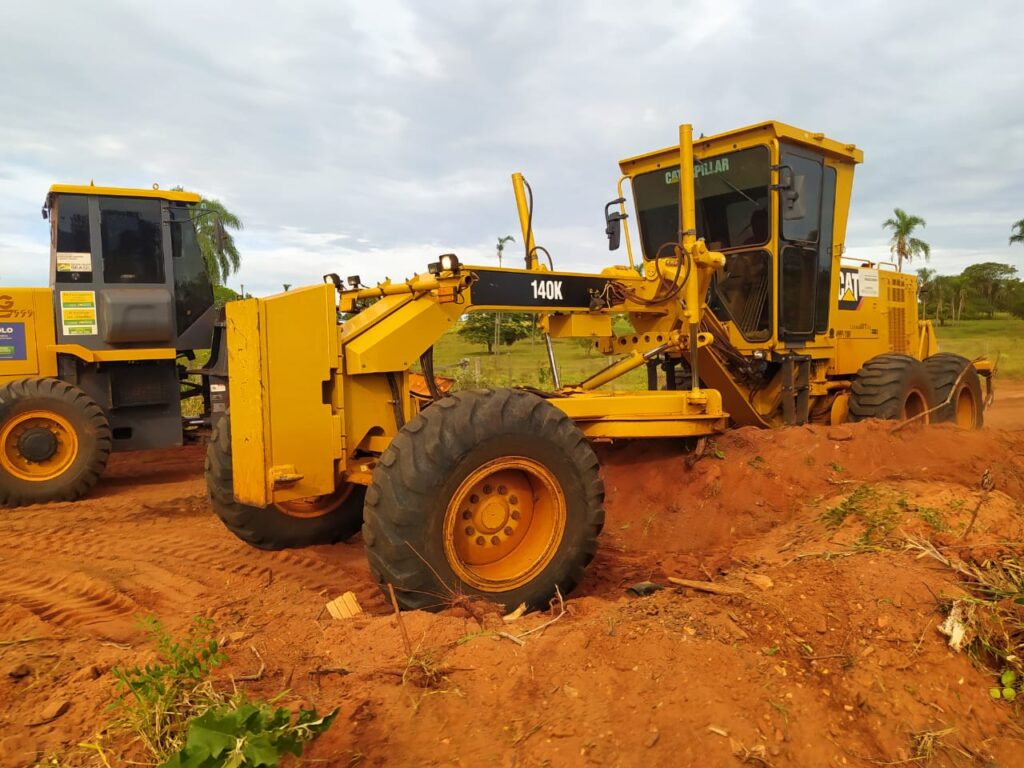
{"x": 892, "y": 386}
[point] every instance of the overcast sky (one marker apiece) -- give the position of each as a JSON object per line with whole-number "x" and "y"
{"x": 368, "y": 137}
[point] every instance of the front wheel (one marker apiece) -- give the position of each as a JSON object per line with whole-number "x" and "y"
{"x": 323, "y": 519}
{"x": 492, "y": 493}
{"x": 54, "y": 442}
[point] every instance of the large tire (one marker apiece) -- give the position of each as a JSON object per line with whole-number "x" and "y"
{"x": 444, "y": 517}
{"x": 891, "y": 387}
{"x": 325, "y": 520}
{"x": 966, "y": 407}
{"x": 54, "y": 442}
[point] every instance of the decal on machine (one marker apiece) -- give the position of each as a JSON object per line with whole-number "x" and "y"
{"x": 855, "y": 285}
{"x": 12, "y": 341}
{"x": 78, "y": 313}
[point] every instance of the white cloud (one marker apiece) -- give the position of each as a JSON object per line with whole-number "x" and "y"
{"x": 372, "y": 136}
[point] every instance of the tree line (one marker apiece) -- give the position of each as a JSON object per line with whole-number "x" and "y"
{"x": 980, "y": 290}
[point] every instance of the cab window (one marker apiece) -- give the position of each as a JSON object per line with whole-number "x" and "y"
{"x": 72, "y": 239}
{"x": 132, "y": 240}
{"x": 731, "y": 198}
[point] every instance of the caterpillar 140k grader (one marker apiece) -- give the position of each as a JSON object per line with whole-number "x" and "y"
{"x": 744, "y": 311}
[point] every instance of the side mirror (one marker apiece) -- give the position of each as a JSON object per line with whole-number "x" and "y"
{"x": 613, "y": 223}
{"x": 791, "y": 187}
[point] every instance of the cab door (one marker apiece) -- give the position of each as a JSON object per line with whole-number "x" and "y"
{"x": 110, "y": 267}
{"x": 806, "y": 208}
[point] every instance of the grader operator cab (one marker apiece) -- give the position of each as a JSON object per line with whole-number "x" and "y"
{"x": 97, "y": 362}
{"x": 743, "y": 310}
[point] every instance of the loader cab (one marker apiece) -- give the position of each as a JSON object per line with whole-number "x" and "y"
{"x": 126, "y": 269}
{"x": 766, "y": 197}
{"x": 131, "y": 303}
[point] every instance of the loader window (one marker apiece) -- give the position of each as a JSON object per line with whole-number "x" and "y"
{"x": 73, "y": 247}
{"x": 732, "y": 201}
{"x": 132, "y": 240}
{"x": 192, "y": 292}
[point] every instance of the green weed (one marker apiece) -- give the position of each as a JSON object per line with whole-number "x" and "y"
{"x": 174, "y": 710}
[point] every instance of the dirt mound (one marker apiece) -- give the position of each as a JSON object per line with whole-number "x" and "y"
{"x": 823, "y": 651}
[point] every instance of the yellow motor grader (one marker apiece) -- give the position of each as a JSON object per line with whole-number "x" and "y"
{"x": 743, "y": 309}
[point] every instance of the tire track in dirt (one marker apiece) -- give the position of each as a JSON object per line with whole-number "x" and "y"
{"x": 73, "y": 601}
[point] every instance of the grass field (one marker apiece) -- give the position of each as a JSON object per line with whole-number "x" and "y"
{"x": 525, "y": 362}
{"x": 1001, "y": 337}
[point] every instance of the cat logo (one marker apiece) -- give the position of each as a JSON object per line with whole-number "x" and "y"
{"x": 855, "y": 285}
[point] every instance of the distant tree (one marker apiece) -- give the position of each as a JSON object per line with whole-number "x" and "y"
{"x": 479, "y": 328}
{"x": 222, "y": 295}
{"x": 286, "y": 286}
{"x": 1017, "y": 232}
{"x": 500, "y": 247}
{"x": 988, "y": 281}
{"x": 904, "y": 246}
{"x": 925, "y": 275}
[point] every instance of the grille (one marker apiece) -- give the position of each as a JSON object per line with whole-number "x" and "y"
{"x": 897, "y": 329}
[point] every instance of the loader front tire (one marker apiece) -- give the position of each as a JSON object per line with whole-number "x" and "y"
{"x": 956, "y": 381}
{"x": 491, "y": 494}
{"x": 54, "y": 442}
{"x": 321, "y": 520}
{"x": 892, "y": 386}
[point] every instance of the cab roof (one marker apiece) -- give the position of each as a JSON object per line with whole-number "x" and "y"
{"x": 92, "y": 189}
{"x": 721, "y": 142}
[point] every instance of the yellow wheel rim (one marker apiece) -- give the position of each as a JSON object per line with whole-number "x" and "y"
{"x": 965, "y": 409}
{"x": 53, "y": 430}
{"x": 504, "y": 523}
{"x": 315, "y": 506}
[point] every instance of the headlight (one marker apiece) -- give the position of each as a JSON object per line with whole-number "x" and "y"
{"x": 449, "y": 262}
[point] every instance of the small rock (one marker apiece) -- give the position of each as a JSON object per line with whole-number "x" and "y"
{"x": 653, "y": 738}
{"x": 233, "y": 639}
{"x": 840, "y": 433}
{"x": 51, "y": 711}
{"x": 644, "y": 588}
{"x": 760, "y": 581}
{"x": 90, "y": 672}
{"x": 20, "y": 671}
{"x": 571, "y": 692}
{"x": 883, "y": 621}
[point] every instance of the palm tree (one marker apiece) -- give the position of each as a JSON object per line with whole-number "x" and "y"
{"x": 217, "y": 244}
{"x": 220, "y": 254}
{"x": 1018, "y": 235}
{"x": 903, "y": 245}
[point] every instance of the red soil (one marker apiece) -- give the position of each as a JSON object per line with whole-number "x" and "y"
{"x": 826, "y": 658}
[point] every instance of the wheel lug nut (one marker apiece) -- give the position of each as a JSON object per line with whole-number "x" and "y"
{"x": 470, "y": 530}
{"x": 502, "y": 490}
{"x": 495, "y": 540}
{"x": 466, "y": 514}
{"x": 473, "y": 498}
{"x": 480, "y": 540}
{"x": 513, "y": 499}
{"x": 487, "y": 489}
{"x": 515, "y": 514}
{"x": 508, "y": 531}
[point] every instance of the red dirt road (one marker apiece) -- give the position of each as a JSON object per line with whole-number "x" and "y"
{"x": 829, "y": 656}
